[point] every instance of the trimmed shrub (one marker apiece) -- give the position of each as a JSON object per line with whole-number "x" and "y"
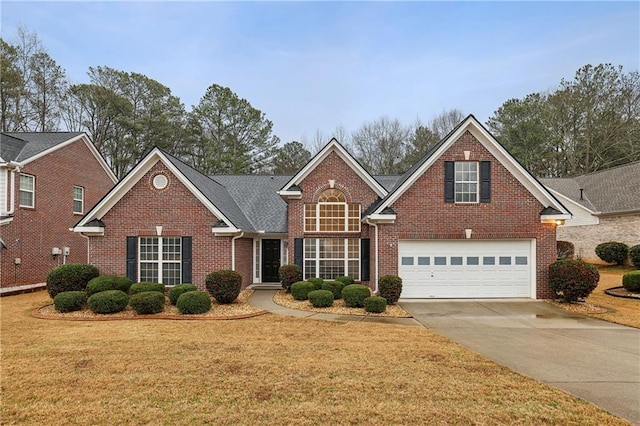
{"x": 317, "y": 282}
{"x": 390, "y": 287}
{"x": 354, "y": 295}
{"x": 69, "y": 301}
{"x": 224, "y": 285}
{"x": 289, "y": 274}
{"x": 108, "y": 302}
{"x": 346, "y": 280}
{"x": 334, "y": 287}
{"x": 108, "y": 282}
{"x": 375, "y": 304}
{"x": 70, "y": 277}
{"x": 634, "y": 256}
{"x": 144, "y": 287}
{"x": 194, "y": 302}
{"x": 566, "y": 249}
{"x": 301, "y": 290}
{"x": 176, "y": 291}
{"x": 571, "y": 280}
{"x": 321, "y": 298}
{"x": 147, "y": 302}
{"x": 631, "y": 281}
{"x": 613, "y": 252}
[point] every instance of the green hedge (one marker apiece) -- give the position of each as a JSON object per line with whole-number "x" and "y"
{"x": 144, "y": 286}
{"x": 346, "y": 280}
{"x": 334, "y": 287}
{"x": 355, "y": 294}
{"x": 321, "y": 298}
{"x": 108, "y": 302}
{"x": 317, "y": 283}
{"x": 289, "y": 274}
{"x": 631, "y": 281}
{"x": 69, "y": 301}
{"x": 375, "y": 304}
{"x": 390, "y": 287}
{"x": 108, "y": 282}
{"x": 194, "y": 302}
{"x": 176, "y": 291}
{"x": 301, "y": 289}
{"x": 70, "y": 277}
{"x": 634, "y": 256}
{"x": 572, "y": 279}
{"x": 147, "y": 302}
{"x": 613, "y": 252}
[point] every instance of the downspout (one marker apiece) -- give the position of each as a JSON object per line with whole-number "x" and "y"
{"x": 375, "y": 271}
{"x": 233, "y": 250}
{"x": 87, "y": 237}
{"x": 15, "y": 169}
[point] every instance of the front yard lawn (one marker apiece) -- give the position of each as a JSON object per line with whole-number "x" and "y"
{"x": 264, "y": 370}
{"x": 619, "y": 310}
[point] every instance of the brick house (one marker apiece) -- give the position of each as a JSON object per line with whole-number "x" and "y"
{"x": 466, "y": 221}
{"x": 47, "y": 183}
{"x": 605, "y": 206}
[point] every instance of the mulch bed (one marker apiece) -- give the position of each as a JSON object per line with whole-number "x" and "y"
{"x": 622, "y": 292}
{"x": 580, "y": 307}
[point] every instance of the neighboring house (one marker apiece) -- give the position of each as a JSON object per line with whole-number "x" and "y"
{"x": 605, "y": 205}
{"x": 48, "y": 181}
{"x": 465, "y": 221}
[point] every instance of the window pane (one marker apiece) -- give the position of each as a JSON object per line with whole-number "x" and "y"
{"x": 171, "y": 273}
{"x": 26, "y": 199}
{"x": 309, "y": 269}
{"x": 472, "y": 260}
{"x": 521, "y": 260}
{"x": 423, "y": 260}
{"x": 310, "y": 217}
{"x": 488, "y": 260}
{"x": 171, "y": 248}
{"x": 439, "y": 260}
{"x": 149, "y": 272}
{"x": 505, "y": 260}
{"x": 407, "y": 260}
{"x": 354, "y": 269}
{"x": 148, "y": 248}
{"x": 26, "y": 183}
{"x": 456, "y": 260}
{"x": 331, "y": 269}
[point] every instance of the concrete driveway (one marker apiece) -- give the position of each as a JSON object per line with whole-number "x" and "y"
{"x": 594, "y": 360}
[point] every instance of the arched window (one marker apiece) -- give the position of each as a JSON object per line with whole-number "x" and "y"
{"x": 332, "y": 213}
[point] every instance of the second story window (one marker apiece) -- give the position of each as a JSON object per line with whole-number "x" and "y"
{"x": 466, "y": 178}
{"x": 78, "y": 199}
{"x": 27, "y": 190}
{"x": 332, "y": 213}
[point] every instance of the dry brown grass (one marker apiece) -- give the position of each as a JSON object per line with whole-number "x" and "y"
{"x": 264, "y": 370}
{"x": 619, "y": 310}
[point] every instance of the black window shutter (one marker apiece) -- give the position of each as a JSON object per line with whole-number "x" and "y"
{"x": 365, "y": 255}
{"x": 132, "y": 245}
{"x": 298, "y": 252}
{"x": 485, "y": 181}
{"x": 449, "y": 182}
{"x": 186, "y": 259}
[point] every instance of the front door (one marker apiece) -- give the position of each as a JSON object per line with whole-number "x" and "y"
{"x": 270, "y": 261}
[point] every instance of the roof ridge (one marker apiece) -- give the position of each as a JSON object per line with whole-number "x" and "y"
{"x": 633, "y": 163}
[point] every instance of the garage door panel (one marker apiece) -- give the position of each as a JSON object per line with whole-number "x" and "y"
{"x": 465, "y": 269}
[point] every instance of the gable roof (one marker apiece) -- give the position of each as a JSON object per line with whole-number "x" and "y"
{"x": 609, "y": 191}
{"x": 25, "y": 147}
{"x": 472, "y": 125}
{"x": 334, "y": 146}
{"x": 210, "y": 193}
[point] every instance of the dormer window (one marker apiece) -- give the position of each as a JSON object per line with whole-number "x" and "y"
{"x": 332, "y": 213}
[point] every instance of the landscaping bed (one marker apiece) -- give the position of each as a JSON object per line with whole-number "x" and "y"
{"x": 339, "y": 308}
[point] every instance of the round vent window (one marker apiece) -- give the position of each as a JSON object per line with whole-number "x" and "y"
{"x": 160, "y": 181}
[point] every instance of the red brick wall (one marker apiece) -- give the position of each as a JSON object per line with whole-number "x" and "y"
{"x": 346, "y": 180}
{"x": 180, "y": 213}
{"x": 244, "y": 260}
{"x": 34, "y": 232}
{"x": 512, "y": 213}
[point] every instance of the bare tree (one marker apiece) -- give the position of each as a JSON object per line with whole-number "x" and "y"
{"x": 381, "y": 145}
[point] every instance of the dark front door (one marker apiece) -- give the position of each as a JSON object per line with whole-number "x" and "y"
{"x": 270, "y": 261}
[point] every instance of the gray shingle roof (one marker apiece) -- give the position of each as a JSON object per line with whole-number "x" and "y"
{"x": 607, "y": 191}
{"x": 20, "y": 146}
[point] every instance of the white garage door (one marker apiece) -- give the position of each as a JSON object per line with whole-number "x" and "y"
{"x": 466, "y": 269}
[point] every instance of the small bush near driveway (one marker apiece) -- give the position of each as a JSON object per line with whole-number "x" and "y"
{"x": 631, "y": 281}
{"x": 613, "y": 252}
{"x": 572, "y": 279}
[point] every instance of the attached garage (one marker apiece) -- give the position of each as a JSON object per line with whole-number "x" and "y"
{"x": 467, "y": 268}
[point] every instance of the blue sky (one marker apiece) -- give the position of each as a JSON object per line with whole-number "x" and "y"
{"x": 315, "y": 65}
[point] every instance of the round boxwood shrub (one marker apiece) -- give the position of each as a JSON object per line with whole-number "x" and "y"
{"x": 177, "y": 290}
{"x": 147, "y": 302}
{"x": 334, "y": 287}
{"x": 631, "y": 281}
{"x": 321, "y": 298}
{"x": 317, "y": 282}
{"x": 194, "y": 302}
{"x": 634, "y": 256}
{"x": 301, "y": 289}
{"x": 224, "y": 285}
{"x": 69, "y": 301}
{"x": 70, "y": 277}
{"x": 346, "y": 280}
{"x": 390, "y": 287}
{"x": 354, "y": 295}
{"x": 108, "y": 302}
{"x": 565, "y": 249}
{"x": 108, "y": 282}
{"x": 571, "y": 280}
{"x": 613, "y": 252}
{"x": 289, "y": 274}
{"x": 144, "y": 286}
{"x": 375, "y": 304}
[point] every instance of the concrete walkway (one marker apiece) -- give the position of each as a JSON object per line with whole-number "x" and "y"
{"x": 8, "y": 291}
{"x": 592, "y": 359}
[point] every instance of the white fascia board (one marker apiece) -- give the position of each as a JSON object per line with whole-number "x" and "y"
{"x": 381, "y": 218}
{"x": 89, "y": 231}
{"x": 555, "y": 217}
{"x": 294, "y": 195}
{"x": 225, "y": 232}
{"x": 334, "y": 146}
{"x": 488, "y": 141}
{"x": 6, "y": 220}
{"x": 133, "y": 177}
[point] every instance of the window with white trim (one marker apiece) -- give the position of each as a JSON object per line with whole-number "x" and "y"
{"x": 332, "y": 213}
{"x": 160, "y": 260}
{"x": 27, "y": 190}
{"x": 466, "y": 182}
{"x": 78, "y": 199}
{"x": 330, "y": 258}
